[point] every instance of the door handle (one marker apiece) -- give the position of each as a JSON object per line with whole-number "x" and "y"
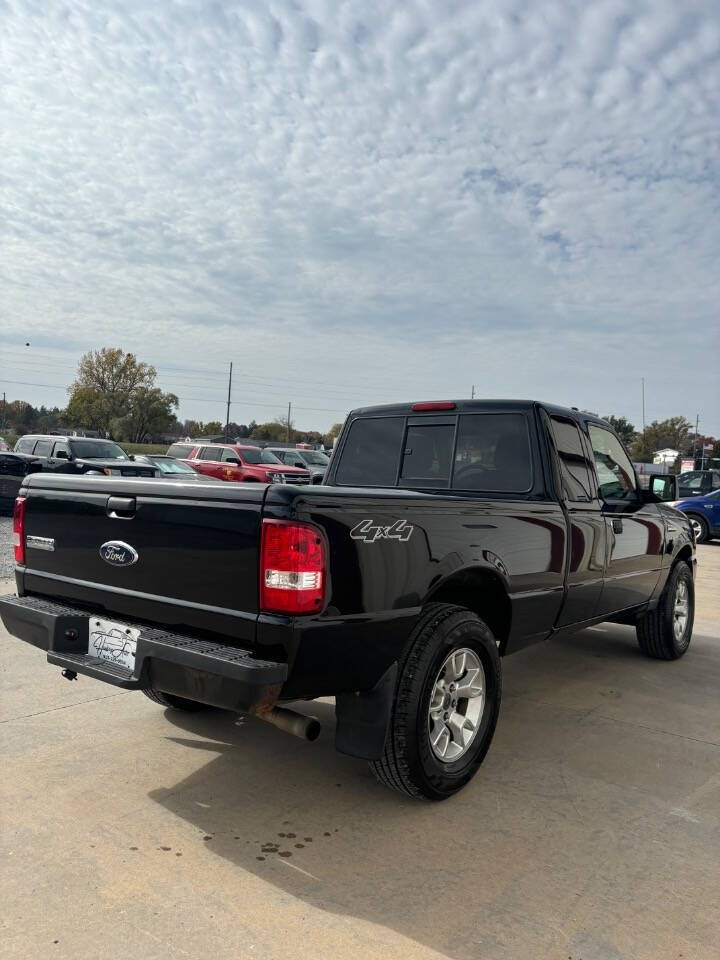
{"x": 121, "y": 508}
{"x": 617, "y": 525}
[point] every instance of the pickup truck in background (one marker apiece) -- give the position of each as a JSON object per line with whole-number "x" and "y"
{"x": 237, "y": 463}
{"x": 447, "y": 535}
{"x": 75, "y": 455}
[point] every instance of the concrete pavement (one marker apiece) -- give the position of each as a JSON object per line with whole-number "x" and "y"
{"x": 592, "y": 831}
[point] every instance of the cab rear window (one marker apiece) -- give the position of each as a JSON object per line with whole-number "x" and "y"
{"x": 480, "y": 452}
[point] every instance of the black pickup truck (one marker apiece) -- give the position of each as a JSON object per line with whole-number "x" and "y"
{"x": 446, "y": 536}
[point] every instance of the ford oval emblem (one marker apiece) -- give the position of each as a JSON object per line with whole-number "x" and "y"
{"x": 118, "y": 554}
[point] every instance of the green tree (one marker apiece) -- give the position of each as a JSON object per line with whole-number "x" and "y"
{"x": 151, "y": 413}
{"x": 623, "y": 428}
{"x": 106, "y": 382}
{"x": 332, "y": 433}
{"x": 659, "y": 435}
{"x": 213, "y": 429}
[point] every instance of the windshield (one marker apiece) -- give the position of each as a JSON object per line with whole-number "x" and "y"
{"x": 314, "y": 458}
{"x": 171, "y": 466}
{"x": 97, "y": 450}
{"x": 250, "y": 455}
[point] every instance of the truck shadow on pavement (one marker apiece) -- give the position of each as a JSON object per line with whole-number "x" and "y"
{"x": 500, "y": 870}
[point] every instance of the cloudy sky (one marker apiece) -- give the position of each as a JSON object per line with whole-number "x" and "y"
{"x": 362, "y": 202}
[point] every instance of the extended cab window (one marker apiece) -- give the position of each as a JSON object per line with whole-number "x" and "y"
{"x": 574, "y": 470}
{"x": 493, "y": 453}
{"x": 371, "y": 452}
{"x": 615, "y": 472}
{"x": 25, "y": 445}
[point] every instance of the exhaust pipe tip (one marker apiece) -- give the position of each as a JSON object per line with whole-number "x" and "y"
{"x": 296, "y": 724}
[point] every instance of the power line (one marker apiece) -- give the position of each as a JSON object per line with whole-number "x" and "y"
{"x": 219, "y": 400}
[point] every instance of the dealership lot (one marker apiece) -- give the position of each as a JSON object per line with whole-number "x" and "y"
{"x": 591, "y": 832}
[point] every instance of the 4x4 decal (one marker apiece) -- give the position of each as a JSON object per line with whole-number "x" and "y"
{"x": 370, "y": 532}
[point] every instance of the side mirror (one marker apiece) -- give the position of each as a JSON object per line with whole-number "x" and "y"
{"x": 234, "y": 460}
{"x": 62, "y": 455}
{"x": 131, "y": 456}
{"x": 664, "y": 487}
{"x": 299, "y": 463}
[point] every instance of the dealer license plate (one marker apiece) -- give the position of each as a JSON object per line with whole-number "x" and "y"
{"x": 113, "y": 642}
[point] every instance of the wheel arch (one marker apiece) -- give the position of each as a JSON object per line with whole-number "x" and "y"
{"x": 481, "y": 590}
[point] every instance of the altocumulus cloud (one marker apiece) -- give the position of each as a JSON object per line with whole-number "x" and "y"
{"x": 391, "y": 200}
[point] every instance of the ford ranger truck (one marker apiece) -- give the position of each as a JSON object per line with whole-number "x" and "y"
{"x": 447, "y": 536}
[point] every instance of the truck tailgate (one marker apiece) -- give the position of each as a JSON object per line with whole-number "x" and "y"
{"x": 196, "y": 544}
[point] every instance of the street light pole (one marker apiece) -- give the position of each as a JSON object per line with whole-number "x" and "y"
{"x": 287, "y": 435}
{"x": 643, "y": 403}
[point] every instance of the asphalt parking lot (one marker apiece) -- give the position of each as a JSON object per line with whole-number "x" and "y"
{"x": 592, "y": 831}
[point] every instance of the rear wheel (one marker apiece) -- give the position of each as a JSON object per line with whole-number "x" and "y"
{"x": 176, "y": 703}
{"x": 664, "y": 633}
{"x": 446, "y": 705}
{"x": 700, "y": 528}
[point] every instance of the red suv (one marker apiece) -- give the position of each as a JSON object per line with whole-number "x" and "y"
{"x": 236, "y": 462}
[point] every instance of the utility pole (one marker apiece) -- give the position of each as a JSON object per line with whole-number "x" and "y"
{"x": 643, "y": 403}
{"x": 3, "y": 416}
{"x": 697, "y": 424}
{"x": 227, "y": 412}
{"x": 287, "y": 437}
{"x": 472, "y": 392}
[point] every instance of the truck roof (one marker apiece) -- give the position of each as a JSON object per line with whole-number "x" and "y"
{"x": 466, "y": 405}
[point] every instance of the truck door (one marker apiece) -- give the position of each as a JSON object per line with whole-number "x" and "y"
{"x": 635, "y": 529}
{"x": 587, "y": 546}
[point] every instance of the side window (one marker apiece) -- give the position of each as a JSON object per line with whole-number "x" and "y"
{"x": 43, "y": 448}
{"x": 691, "y": 481}
{"x": 371, "y": 452}
{"x": 61, "y": 447}
{"x": 25, "y": 445}
{"x": 615, "y": 472}
{"x": 428, "y": 455}
{"x": 715, "y": 481}
{"x": 210, "y": 453}
{"x": 574, "y": 470}
{"x": 179, "y": 450}
{"x": 493, "y": 453}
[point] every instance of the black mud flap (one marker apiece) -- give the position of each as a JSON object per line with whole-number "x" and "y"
{"x": 363, "y": 718}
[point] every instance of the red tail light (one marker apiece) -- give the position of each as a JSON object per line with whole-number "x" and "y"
{"x": 293, "y": 568}
{"x": 19, "y": 530}
{"x": 434, "y": 405}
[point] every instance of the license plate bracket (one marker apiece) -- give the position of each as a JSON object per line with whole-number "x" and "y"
{"x": 113, "y": 642}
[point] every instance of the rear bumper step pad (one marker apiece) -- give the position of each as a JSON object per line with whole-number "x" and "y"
{"x": 199, "y": 665}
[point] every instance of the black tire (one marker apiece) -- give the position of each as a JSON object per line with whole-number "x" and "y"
{"x": 408, "y": 763}
{"x": 702, "y": 530}
{"x": 176, "y": 703}
{"x": 655, "y": 632}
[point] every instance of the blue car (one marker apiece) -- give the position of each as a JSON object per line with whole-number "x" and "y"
{"x": 704, "y": 515}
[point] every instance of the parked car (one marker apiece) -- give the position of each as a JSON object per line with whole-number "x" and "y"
{"x": 81, "y": 455}
{"x": 169, "y": 468}
{"x": 446, "y": 536}
{"x": 696, "y": 483}
{"x": 313, "y": 460}
{"x": 3, "y": 445}
{"x": 237, "y": 462}
{"x": 704, "y": 515}
{"x": 14, "y": 467}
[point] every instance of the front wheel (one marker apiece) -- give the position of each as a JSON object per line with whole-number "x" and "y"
{"x": 446, "y": 705}
{"x": 664, "y": 633}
